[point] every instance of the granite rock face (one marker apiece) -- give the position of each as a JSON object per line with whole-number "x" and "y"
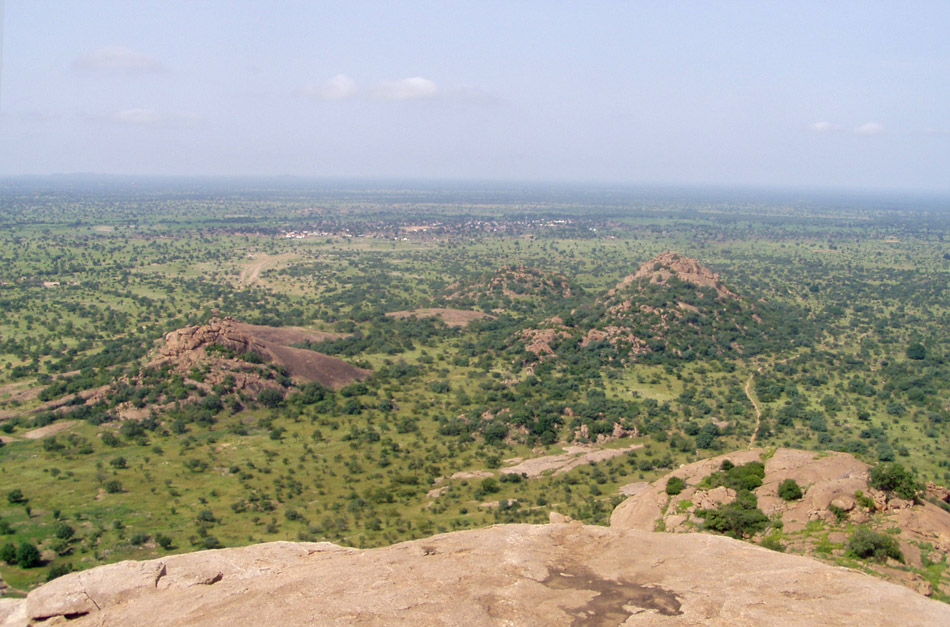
{"x": 188, "y": 347}
{"x": 831, "y": 483}
{"x": 557, "y": 574}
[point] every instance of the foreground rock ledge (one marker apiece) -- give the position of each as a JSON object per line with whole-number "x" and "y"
{"x": 558, "y": 574}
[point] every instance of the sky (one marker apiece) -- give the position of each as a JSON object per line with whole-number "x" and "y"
{"x": 792, "y": 94}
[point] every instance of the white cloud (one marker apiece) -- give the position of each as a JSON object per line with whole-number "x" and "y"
{"x": 151, "y": 117}
{"x": 340, "y": 87}
{"x": 414, "y": 88}
{"x": 118, "y": 59}
{"x": 869, "y": 128}
{"x": 824, "y": 127}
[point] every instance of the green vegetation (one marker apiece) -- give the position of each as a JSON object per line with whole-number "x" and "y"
{"x": 745, "y": 477}
{"x": 893, "y": 477}
{"x": 789, "y": 490}
{"x": 838, "y": 329}
{"x": 867, "y": 544}
{"x": 675, "y": 485}
{"x": 740, "y": 519}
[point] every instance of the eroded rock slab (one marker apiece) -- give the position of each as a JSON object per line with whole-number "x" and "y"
{"x": 558, "y": 574}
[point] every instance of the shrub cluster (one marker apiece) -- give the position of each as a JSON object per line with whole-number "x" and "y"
{"x": 789, "y": 490}
{"x": 893, "y": 477}
{"x": 866, "y": 544}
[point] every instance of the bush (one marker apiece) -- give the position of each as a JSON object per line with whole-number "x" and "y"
{"x": 865, "y": 544}
{"x": 210, "y": 542}
{"x": 489, "y": 486}
{"x": 864, "y": 500}
{"x": 113, "y": 487}
{"x": 773, "y": 543}
{"x": 15, "y": 496}
{"x": 893, "y": 477}
{"x": 745, "y": 477}
{"x": 789, "y": 490}
{"x": 64, "y": 531}
{"x": 8, "y": 553}
{"x": 163, "y": 541}
{"x": 739, "y": 519}
{"x": 27, "y": 555}
{"x": 270, "y": 398}
{"x": 675, "y": 485}
{"x": 205, "y": 515}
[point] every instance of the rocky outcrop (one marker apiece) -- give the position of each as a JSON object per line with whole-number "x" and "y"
{"x": 515, "y": 282}
{"x": 558, "y": 574}
{"x": 687, "y": 269}
{"x": 538, "y": 341}
{"x": 832, "y": 484}
{"x": 188, "y": 347}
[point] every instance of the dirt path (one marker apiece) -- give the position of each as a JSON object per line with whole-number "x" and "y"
{"x": 751, "y": 397}
{"x": 758, "y": 410}
{"x": 252, "y": 271}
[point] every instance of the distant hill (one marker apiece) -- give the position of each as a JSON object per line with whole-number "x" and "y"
{"x": 671, "y": 307}
{"x": 224, "y": 346}
{"x": 674, "y": 306}
{"x": 509, "y": 286}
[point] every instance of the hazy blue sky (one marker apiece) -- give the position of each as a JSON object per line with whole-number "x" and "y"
{"x": 851, "y": 94}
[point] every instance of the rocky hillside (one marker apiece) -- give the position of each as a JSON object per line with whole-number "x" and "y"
{"x": 218, "y": 345}
{"x": 512, "y": 287}
{"x": 837, "y": 501}
{"x": 557, "y": 574}
{"x": 686, "y": 269}
{"x": 673, "y": 306}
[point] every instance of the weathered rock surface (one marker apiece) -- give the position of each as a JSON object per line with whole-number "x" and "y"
{"x": 558, "y": 574}
{"x": 187, "y": 347}
{"x": 687, "y": 269}
{"x": 830, "y": 482}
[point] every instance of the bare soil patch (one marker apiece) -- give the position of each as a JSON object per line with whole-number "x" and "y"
{"x": 20, "y": 391}
{"x": 573, "y": 457}
{"x": 252, "y": 271}
{"x": 451, "y": 317}
{"x": 54, "y": 428}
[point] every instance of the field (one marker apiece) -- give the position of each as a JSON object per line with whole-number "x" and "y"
{"x": 520, "y": 349}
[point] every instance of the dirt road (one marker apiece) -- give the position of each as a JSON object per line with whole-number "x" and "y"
{"x": 252, "y": 271}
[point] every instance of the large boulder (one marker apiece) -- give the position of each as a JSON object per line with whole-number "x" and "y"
{"x": 556, "y": 574}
